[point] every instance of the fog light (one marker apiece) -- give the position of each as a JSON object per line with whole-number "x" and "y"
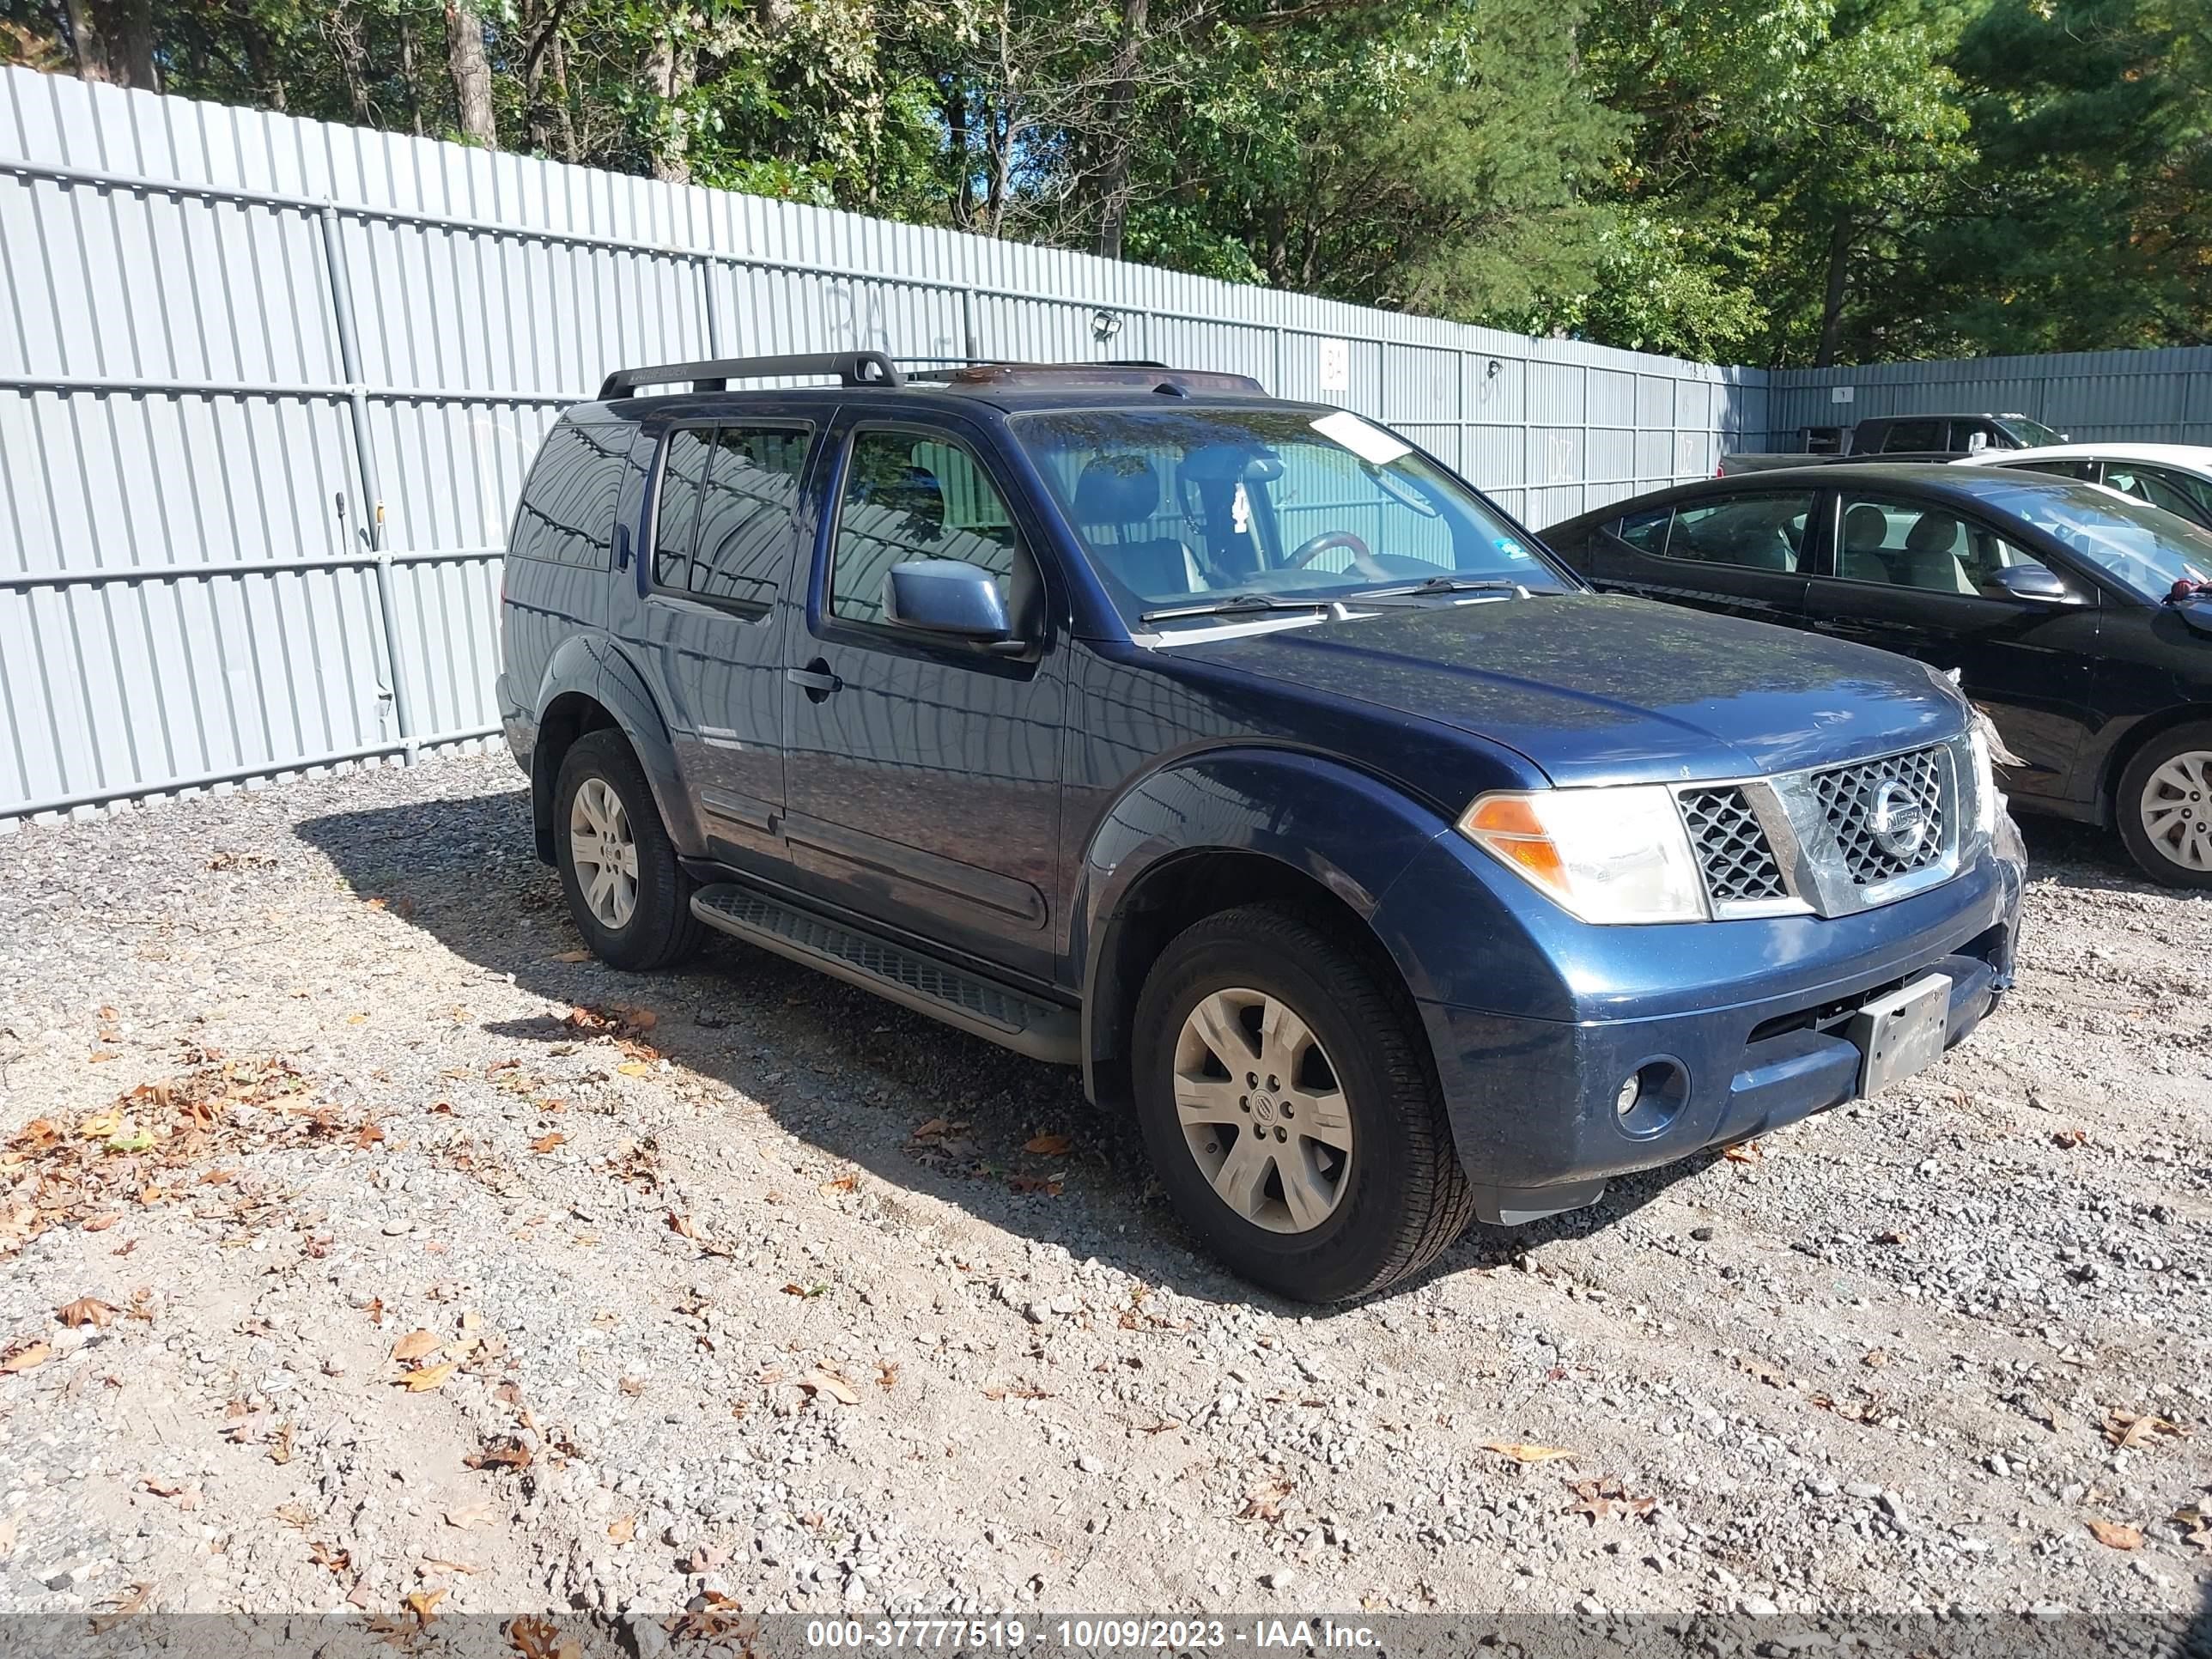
{"x": 1631, "y": 1090}
{"x": 1651, "y": 1097}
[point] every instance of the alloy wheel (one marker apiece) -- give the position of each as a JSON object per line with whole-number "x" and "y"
{"x": 603, "y": 847}
{"x": 1261, "y": 1110}
{"x": 2177, "y": 809}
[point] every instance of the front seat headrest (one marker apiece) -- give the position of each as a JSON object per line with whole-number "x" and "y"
{"x": 1118, "y": 490}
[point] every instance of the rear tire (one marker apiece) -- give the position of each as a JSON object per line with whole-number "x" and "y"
{"x": 1287, "y": 1101}
{"x": 629, "y": 896}
{"x": 2164, "y": 806}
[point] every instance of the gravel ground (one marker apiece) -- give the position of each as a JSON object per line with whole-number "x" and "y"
{"x": 405, "y": 1276}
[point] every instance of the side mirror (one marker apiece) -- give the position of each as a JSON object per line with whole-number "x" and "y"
{"x": 2032, "y": 581}
{"x": 951, "y": 599}
{"x": 1976, "y": 442}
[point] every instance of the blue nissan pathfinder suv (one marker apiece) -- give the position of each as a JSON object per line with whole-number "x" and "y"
{"x": 1235, "y": 751}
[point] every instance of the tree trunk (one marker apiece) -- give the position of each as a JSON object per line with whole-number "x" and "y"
{"x": 127, "y": 27}
{"x": 568, "y": 151}
{"x": 1831, "y": 304}
{"x": 85, "y": 44}
{"x": 464, "y": 59}
{"x": 954, "y": 102}
{"x": 671, "y": 70}
{"x": 544, "y": 33}
{"x": 1119, "y": 137}
{"x": 410, "y": 77}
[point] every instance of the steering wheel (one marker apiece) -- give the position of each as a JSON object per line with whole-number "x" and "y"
{"x": 1363, "y": 560}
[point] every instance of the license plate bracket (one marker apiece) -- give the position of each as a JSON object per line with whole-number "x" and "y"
{"x": 1903, "y": 1033}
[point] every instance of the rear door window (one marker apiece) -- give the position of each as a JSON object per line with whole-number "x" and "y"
{"x": 745, "y": 509}
{"x": 1756, "y": 532}
{"x": 1909, "y": 544}
{"x": 567, "y": 510}
{"x": 722, "y": 526}
{"x": 1913, "y": 435}
{"x": 2176, "y": 492}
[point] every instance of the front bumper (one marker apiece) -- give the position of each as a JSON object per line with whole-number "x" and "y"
{"x": 1532, "y": 1101}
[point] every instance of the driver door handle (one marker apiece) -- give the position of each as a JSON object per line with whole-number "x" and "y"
{"x": 815, "y": 678}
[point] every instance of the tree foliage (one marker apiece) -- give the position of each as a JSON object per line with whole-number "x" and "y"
{"x": 1778, "y": 181}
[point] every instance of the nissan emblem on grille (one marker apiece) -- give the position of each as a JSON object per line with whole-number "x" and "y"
{"x": 1899, "y": 821}
{"x": 1886, "y": 815}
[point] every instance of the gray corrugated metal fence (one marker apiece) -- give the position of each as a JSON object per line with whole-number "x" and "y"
{"x": 268, "y": 388}
{"x": 2150, "y": 395}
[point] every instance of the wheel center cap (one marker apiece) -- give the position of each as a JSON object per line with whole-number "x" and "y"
{"x": 1263, "y": 1108}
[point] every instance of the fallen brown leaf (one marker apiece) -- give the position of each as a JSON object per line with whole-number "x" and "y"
{"x": 572, "y": 956}
{"x": 546, "y": 1143}
{"x": 130, "y": 1605}
{"x": 2113, "y": 1535}
{"x": 1523, "y": 1453}
{"x": 423, "y": 1604}
{"x": 469, "y": 1515}
{"x": 1265, "y": 1501}
{"x": 428, "y": 1377}
{"x": 28, "y": 1357}
{"x": 541, "y": 1638}
{"x": 623, "y": 1530}
{"x": 329, "y": 1555}
{"x": 2131, "y": 1433}
{"x": 1049, "y": 1145}
{"x": 842, "y": 1184}
{"x": 414, "y": 1345}
{"x": 837, "y": 1387}
{"x": 1746, "y": 1152}
{"x": 86, "y": 1310}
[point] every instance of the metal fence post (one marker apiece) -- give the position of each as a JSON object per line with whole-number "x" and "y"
{"x": 334, "y": 261}
{"x": 714, "y": 310}
{"x": 970, "y": 347}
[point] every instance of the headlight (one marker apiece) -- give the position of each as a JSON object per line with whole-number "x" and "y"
{"x": 1608, "y": 855}
{"x": 1987, "y": 799}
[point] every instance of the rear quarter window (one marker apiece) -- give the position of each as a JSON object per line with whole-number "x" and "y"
{"x": 567, "y": 510}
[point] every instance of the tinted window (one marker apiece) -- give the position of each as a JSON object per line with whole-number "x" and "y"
{"x": 1914, "y": 434}
{"x": 744, "y": 514}
{"x": 2174, "y": 491}
{"x": 909, "y": 498}
{"x": 675, "y": 518}
{"x": 567, "y": 511}
{"x": 2064, "y": 467}
{"x": 1756, "y": 532}
{"x": 1906, "y": 544}
{"x": 1646, "y": 531}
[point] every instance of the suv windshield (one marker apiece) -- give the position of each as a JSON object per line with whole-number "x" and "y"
{"x": 1183, "y": 509}
{"x": 2144, "y": 547}
{"x": 2029, "y": 435}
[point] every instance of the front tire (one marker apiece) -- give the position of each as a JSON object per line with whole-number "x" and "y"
{"x": 1290, "y": 1109}
{"x": 2165, "y": 807}
{"x": 627, "y": 896}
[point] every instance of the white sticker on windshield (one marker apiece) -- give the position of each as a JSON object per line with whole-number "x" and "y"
{"x": 1371, "y": 443}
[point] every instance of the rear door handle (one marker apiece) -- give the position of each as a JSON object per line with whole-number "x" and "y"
{"x": 815, "y": 678}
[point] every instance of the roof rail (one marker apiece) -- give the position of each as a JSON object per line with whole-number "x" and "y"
{"x": 714, "y": 374}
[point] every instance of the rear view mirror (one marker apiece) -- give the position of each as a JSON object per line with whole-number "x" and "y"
{"x": 2032, "y": 581}
{"x": 951, "y": 600}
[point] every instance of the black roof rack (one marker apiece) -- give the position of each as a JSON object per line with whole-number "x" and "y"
{"x": 714, "y": 374}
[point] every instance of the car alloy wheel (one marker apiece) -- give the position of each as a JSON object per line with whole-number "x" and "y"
{"x": 2176, "y": 806}
{"x": 2177, "y": 811}
{"x": 1261, "y": 1110}
{"x": 603, "y": 847}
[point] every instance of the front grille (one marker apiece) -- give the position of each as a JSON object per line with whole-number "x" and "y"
{"x": 1733, "y": 851}
{"x": 1851, "y": 798}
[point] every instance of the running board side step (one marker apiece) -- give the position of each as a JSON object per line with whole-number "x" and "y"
{"x": 981, "y": 1007}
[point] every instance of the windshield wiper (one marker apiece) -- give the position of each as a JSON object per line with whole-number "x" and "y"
{"x": 1447, "y": 585}
{"x": 1231, "y": 604}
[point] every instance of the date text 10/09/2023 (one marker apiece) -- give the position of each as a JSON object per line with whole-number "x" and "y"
{"x": 1086, "y": 1635}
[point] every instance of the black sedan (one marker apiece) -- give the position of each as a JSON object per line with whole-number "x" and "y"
{"x": 2079, "y": 618}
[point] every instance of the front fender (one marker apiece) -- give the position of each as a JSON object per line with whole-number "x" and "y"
{"x": 1349, "y": 833}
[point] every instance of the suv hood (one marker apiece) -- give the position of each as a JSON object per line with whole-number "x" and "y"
{"x": 1600, "y": 690}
